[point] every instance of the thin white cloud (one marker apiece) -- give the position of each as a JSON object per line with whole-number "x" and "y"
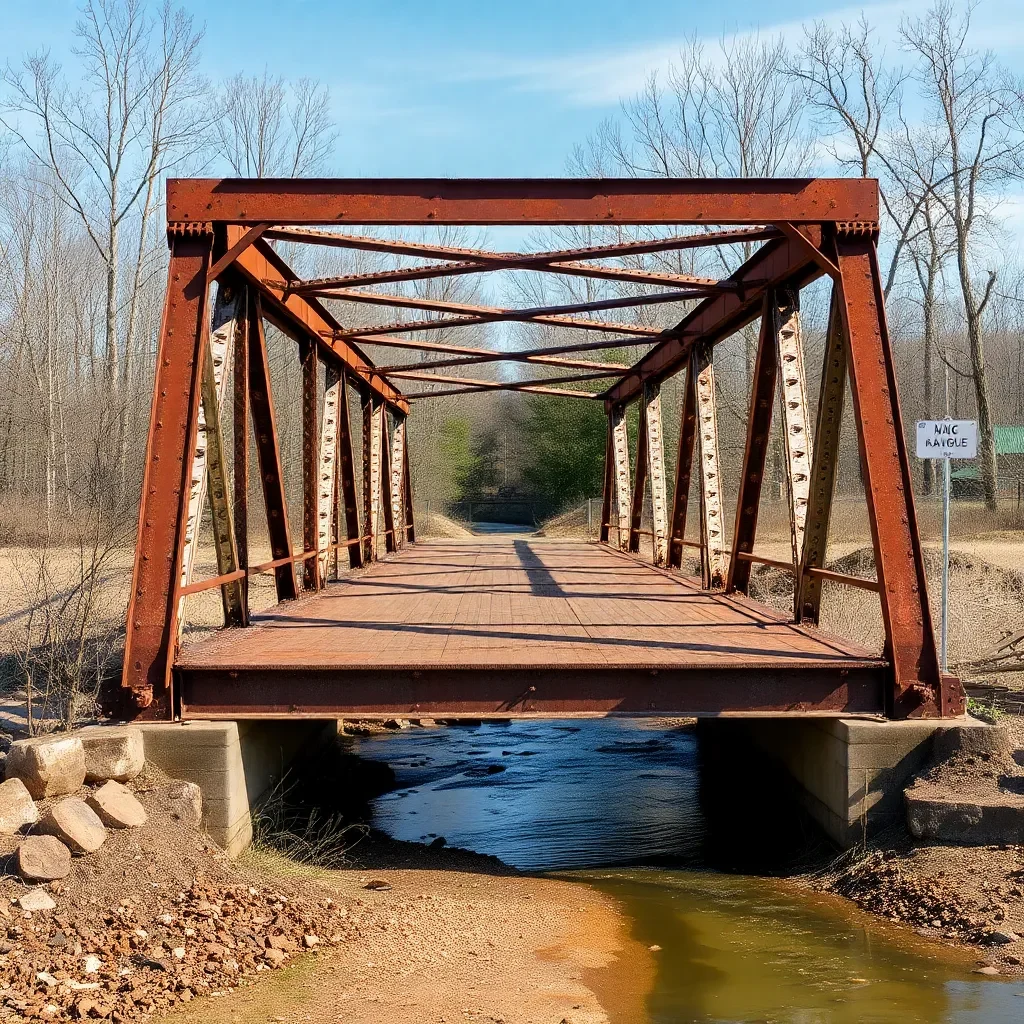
{"x": 602, "y": 77}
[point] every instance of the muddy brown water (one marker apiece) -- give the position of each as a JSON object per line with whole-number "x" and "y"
{"x": 615, "y": 804}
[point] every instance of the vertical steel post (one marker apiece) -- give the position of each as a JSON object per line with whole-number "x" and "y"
{"x": 240, "y": 440}
{"x": 386, "y": 495}
{"x": 209, "y": 470}
{"x": 398, "y": 480}
{"x": 755, "y": 452}
{"x": 824, "y": 465}
{"x": 347, "y": 478}
{"x": 795, "y": 426}
{"x": 327, "y": 469}
{"x": 609, "y": 482}
{"x": 372, "y": 410}
{"x": 620, "y": 454}
{"x": 268, "y": 455}
{"x": 310, "y": 465}
{"x": 636, "y": 508}
{"x": 410, "y": 517}
{"x": 918, "y": 689}
{"x": 711, "y": 526}
{"x": 155, "y": 596}
{"x": 684, "y": 470}
{"x": 656, "y": 471}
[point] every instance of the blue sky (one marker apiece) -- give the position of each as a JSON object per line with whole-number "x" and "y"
{"x": 453, "y": 87}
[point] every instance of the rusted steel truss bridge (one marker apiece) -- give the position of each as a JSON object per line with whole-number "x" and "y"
{"x": 518, "y": 627}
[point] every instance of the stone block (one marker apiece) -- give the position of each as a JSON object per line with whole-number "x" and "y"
{"x": 17, "y": 808}
{"x": 113, "y": 752}
{"x": 75, "y": 824}
{"x": 36, "y": 900}
{"x": 975, "y": 819}
{"x": 42, "y": 859}
{"x": 48, "y": 765}
{"x": 116, "y": 806}
{"x": 182, "y": 800}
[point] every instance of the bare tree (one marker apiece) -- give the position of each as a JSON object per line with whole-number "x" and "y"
{"x": 975, "y": 106}
{"x": 266, "y": 128}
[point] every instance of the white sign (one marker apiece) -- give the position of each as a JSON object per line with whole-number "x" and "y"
{"x": 947, "y": 439}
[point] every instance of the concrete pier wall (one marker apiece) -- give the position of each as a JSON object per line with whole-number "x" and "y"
{"x": 848, "y": 773}
{"x": 233, "y": 763}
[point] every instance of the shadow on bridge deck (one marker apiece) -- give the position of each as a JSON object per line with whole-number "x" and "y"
{"x": 522, "y": 626}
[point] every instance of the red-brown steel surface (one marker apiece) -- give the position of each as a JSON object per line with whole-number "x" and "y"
{"x": 491, "y": 610}
{"x": 755, "y": 452}
{"x": 521, "y": 627}
{"x": 522, "y": 200}
{"x": 910, "y": 638}
{"x": 778, "y": 262}
{"x": 153, "y": 602}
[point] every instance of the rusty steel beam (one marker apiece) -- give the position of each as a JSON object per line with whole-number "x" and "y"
{"x": 553, "y": 316}
{"x": 491, "y": 355}
{"x": 607, "y": 485}
{"x": 620, "y": 455}
{"x": 524, "y": 691}
{"x": 270, "y": 276}
{"x": 636, "y": 506}
{"x": 824, "y": 467}
{"x": 505, "y": 385}
{"x": 510, "y": 357}
{"x": 327, "y": 469}
{"x": 430, "y": 201}
{"x": 712, "y": 525}
{"x": 347, "y": 476}
{"x": 796, "y": 434}
{"x": 239, "y": 245}
{"x": 919, "y": 690}
{"x": 398, "y": 480}
{"x": 312, "y": 578}
{"x": 209, "y": 471}
{"x": 373, "y": 414}
{"x": 526, "y": 389}
{"x": 386, "y": 493}
{"x": 778, "y": 263}
{"x": 268, "y": 455}
{"x": 519, "y": 260}
{"x": 240, "y": 439}
{"x": 154, "y": 601}
{"x": 684, "y": 467}
{"x": 407, "y": 496}
{"x": 325, "y": 286}
{"x": 755, "y": 452}
{"x": 651, "y": 413}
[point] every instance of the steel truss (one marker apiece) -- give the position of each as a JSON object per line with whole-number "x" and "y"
{"x": 221, "y": 231}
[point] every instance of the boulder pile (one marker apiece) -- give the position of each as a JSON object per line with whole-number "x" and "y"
{"x": 53, "y": 769}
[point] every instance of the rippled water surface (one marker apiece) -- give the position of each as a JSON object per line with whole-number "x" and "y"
{"x": 559, "y": 796}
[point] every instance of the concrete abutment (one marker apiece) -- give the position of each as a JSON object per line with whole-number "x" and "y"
{"x": 234, "y": 763}
{"x": 848, "y": 774}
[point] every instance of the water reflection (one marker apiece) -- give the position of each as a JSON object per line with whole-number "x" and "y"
{"x": 734, "y": 948}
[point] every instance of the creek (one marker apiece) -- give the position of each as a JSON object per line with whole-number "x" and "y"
{"x": 616, "y": 804}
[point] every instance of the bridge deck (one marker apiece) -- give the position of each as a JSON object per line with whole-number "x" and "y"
{"x": 509, "y": 626}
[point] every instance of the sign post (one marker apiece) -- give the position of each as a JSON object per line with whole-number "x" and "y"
{"x": 946, "y": 439}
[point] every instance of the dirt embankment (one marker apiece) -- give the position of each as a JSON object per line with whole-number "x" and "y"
{"x": 158, "y": 922}
{"x": 960, "y": 895}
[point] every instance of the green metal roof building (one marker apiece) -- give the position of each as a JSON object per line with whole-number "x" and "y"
{"x": 1009, "y": 442}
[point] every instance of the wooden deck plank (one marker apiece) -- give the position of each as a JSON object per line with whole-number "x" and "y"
{"x": 553, "y": 604}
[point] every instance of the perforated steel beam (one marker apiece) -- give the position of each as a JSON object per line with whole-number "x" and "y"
{"x": 620, "y": 456}
{"x": 711, "y": 522}
{"x": 796, "y": 433}
{"x": 824, "y": 466}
